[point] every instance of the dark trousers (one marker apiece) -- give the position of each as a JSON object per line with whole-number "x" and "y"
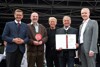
{"x": 52, "y": 59}
{"x": 13, "y": 59}
{"x": 3, "y": 63}
{"x": 35, "y": 57}
{"x": 65, "y": 60}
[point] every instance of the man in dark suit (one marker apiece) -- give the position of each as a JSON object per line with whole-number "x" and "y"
{"x": 88, "y": 36}
{"x": 66, "y": 56}
{"x": 37, "y": 37}
{"x": 15, "y": 34}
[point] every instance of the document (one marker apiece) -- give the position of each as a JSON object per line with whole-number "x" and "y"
{"x": 65, "y": 41}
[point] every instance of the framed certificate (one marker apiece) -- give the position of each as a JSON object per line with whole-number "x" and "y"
{"x": 65, "y": 41}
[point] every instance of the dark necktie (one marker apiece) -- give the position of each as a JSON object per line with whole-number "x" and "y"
{"x": 18, "y": 27}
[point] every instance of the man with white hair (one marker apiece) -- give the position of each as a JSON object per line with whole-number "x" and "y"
{"x": 51, "y": 53}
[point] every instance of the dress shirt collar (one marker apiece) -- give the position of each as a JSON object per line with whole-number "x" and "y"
{"x": 86, "y": 20}
{"x": 66, "y": 28}
{"x": 35, "y": 24}
{"x": 17, "y": 21}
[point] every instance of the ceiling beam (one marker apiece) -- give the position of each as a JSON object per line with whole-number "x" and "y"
{"x": 44, "y": 6}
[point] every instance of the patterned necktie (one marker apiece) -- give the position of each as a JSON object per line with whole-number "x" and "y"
{"x": 18, "y": 24}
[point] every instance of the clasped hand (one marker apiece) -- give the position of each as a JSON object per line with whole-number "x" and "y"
{"x": 18, "y": 41}
{"x": 37, "y": 42}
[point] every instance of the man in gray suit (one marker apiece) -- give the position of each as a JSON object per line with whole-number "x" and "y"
{"x": 88, "y": 35}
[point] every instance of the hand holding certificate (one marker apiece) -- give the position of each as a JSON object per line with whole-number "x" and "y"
{"x": 66, "y": 41}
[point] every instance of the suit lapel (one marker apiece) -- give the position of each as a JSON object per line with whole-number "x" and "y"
{"x": 80, "y": 28}
{"x": 15, "y": 27}
{"x": 87, "y": 25}
{"x": 63, "y": 31}
{"x": 21, "y": 27}
{"x": 69, "y": 30}
{"x": 32, "y": 31}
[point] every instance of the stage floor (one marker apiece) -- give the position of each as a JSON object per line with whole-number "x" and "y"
{"x": 3, "y": 64}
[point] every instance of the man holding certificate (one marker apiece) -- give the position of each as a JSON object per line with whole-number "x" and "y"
{"x": 66, "y": 43}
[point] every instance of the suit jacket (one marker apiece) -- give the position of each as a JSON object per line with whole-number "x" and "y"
{"x": 31, "y": 33}
{"x": 11, "y": 31}
{"x": 67, "y": 52}
{"x": 90, "y": 36}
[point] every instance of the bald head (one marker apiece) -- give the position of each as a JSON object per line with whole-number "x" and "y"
{"x": 34, "y": 13}
{"x": 34, "y": 17}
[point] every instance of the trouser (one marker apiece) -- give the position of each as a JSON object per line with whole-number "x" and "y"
{"x": 86, "y": 60}
{"x": 13, "y": 59}
{"x": 52, "y": 59}
{"x": 35, "y": 58}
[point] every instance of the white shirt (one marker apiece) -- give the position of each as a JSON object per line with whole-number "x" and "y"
{"x": 17, "y": 21}
{"x": 83, "y": 29}
{"x": 36, "y": 25}
{"x": 66, "y": 28}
